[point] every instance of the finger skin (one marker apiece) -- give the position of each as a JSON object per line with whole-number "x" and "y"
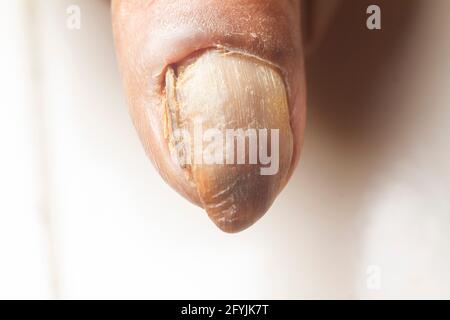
{"x": 317, "y": 16}
{"x": 151, "y": 35}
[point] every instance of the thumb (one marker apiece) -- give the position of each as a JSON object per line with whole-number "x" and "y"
{"x": 216, "y": 91}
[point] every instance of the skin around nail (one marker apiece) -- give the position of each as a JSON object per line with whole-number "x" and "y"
{"x": 228, "y": 65}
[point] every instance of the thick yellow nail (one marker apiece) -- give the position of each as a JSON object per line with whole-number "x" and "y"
{"x": 228, "y": 126}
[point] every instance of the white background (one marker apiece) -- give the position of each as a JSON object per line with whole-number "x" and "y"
{"x": 83, "y": 214}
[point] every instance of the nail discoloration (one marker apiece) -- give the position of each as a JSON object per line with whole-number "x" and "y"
{"x": 229, "y": 90}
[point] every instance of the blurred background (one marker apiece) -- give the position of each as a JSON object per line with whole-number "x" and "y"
{"x": 83, "y": 214}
